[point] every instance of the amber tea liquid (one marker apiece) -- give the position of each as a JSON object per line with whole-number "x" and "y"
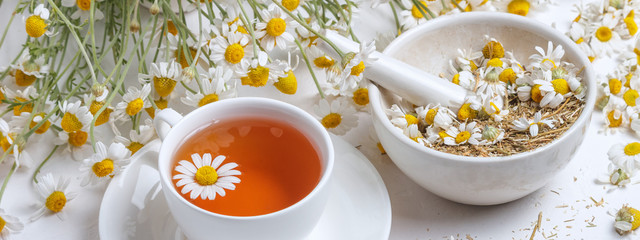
{"x": 279, "y": 166}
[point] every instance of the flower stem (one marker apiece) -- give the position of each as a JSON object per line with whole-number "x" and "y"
{"x": 6, "y": 180}
{"x": 313, "y": 75}
{"x": 35, "y": 173}
{"x": 6, "y": 29}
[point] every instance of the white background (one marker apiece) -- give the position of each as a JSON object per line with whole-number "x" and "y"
{"x": 565, "y": 203}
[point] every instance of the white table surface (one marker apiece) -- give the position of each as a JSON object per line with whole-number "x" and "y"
{"x": 565, "y": 202}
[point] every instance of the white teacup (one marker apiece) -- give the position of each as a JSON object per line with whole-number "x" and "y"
{"x": 293, "y": 222}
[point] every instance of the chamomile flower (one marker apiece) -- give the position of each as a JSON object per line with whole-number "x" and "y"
{"x": 289, "y": 83}
{"x": 355, "y": 66}
{"x": 490, "y": 83}
{"x": 547, "y": 60}
{"x": 605, "y": 40}
{"x": 414, "y": 133}
{"x": 320, "y": 59}
{"x": 469, "y": 109}
{"x": 20, "y": 98}
{"x": 276, "y": 29}
{"x": 259, "y": 72}
{"x": 205, "y": 177}
{"x": 75, "y": 117}
{"x": 83, "y": 11}
{"x": 36, "y": 24}
{"x": 414, "y": 17}
{"x": 216, "y": 85}
{"x": 436, "y": 116}
{"x": 95, "y": 103}
{"x": 625, "y": 156}
{"x": 133, "y": 101}
{"x": 10, "y": 225}
{"x": 30, "y": 120}
{"x": 533, "y": 125}
{"x": 627, "y": 220}
{"x": 54, "y": 196}
{"x": 615, "y": 115}
{"x": 494, "y": 107}
{"x": 615, "y": 176}
{"x": 464, "y": 133}
{"x": 104, "y": 163}
{"x": 491, "y": 135}
{"x": 401, "y": 119}
{"x": 466, "y": 59}
{"x": 137, "y": 139}
{"x": 553, "y": 92}
{"x": 337, "y": 116}
{"x": 184, "y": 55}
{"x": 230, "y": 50}
{"x": 164, "y": 76}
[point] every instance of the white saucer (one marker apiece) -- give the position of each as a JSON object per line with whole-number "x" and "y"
{"x": 358, "y": 208}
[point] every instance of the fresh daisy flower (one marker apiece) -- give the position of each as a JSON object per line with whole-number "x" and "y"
{"x": 615, "y": 115}
{"x": 605, "y": 40}
{"x": 533, "y": 126}
{"x": 626, "y": 156}
{"x": 437, "y": 116}
{"x": 164, "y": 76}
{"x": 133, "y": 101}
{"x": 464, "y": 133}
{"x": 206, "y": 178}
{"x": 37, "y": 25}
{"x": 320, "y": 59}
{"x": 276, "y": 28}
{"x": 230, "y": 50}
{"x": 289, "y": 83}
{"x": 216, "y": 85}
{"x": 84, "y": 6}
{"x": 520, "y": 7}
{"x": 553, "y": 92}
{"x": 628, "y": 27}
{"x": 10, "y": 225}
{"x": 178, "y": 53}
{"x": 414, "y": 17}
{"x": 95, "y": 103}
{"x": 258, "y": 72}
{"x": 7, "y": 135}
{"x": 337, "y": 116}
{"x": 30, "y": 120}
{"x": 352, "y": 71}
{"x": 547, "y": 60}
{"x": 137, "y": 139}
{"x": 105, "y": 163}
{"x": 54, "y": 196}
{"x": 627, "y": 220}
{"x": 74, "y": 116}
{"x": 21, "y": 96}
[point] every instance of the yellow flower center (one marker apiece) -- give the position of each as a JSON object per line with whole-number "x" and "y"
{"x": 357, "y": 69}
{"x": 415, "y": 10}
{"x": 494, "y": 62}
{"x": 632, "y": 27}
{"x": 520, "y": 7}
{"x": 536, "y": 94}
{"x": 431, "y": 116}
{"x": 466, "y": 112}
{"x": 206, "y": 175}
{"x": 332, "y": 120}
{"x": 630, "y": 97}
{"x": 456, "y": 79}
{"x": 103, "y": 168}
{"x": 208, "y": 99}
{"x": 35, "y": 26}
{"x": 182, "y": 57}
{"x": 56, "y": 201}
{"x": 104, "y": 116}
{"x": 361, "y": 96}
{"x": 2, "y": 223}
{"x": 256, "y": 77}
{"x": 164, "y": 86}
{"x": 323, "y": 62}
{"x": 4, "y": 142}
{"x": 473, "y": 65}
{"x": 636, "y": 218}
{"x": 613, "y": 121}
{"x": 410, "y": 119}
{"x": 508, "y": 76}
{"x": 160, "y": 104}
{"x": 290, "y": 4}
{"x": 23, "y": 79}
{"x": 288, "y": 84}
{"x": 614, "y": 86}
{"x": 171, "y": 28}
{"x": 560, "y": 86}
{"x": 580, "y": 40}
{"x": 463, "y": 136}
{"x": 603, "y": 34}
{"x": 134, "y": 147}
{"x": 632, "y": 149}
{"x": 276, "y": 26}
{"x": 84, "y": 5}
{"x": 20, "y": 108}
{"x": 134, "y": 106}
{"x": 43, "y": 128}
{"x": 70, "y": 122}
{"x": 234, "y": 53}
{"x": 78, "y": 138}
{"x": 493, "y": 49}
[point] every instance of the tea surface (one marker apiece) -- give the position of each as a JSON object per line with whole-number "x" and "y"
{"x": 278, "y": 164}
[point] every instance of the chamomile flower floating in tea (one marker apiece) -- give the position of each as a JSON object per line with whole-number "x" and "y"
{"x": 508, "y": 107}
{"x": 105, "y": 163}
{"x": 54, "y": 196}
{"x": 9, "y": 225}
{"x": 205, "y": 178}
{"x": 627, "y": 220}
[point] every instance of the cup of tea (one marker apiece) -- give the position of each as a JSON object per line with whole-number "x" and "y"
{"x": 244, "y": 168}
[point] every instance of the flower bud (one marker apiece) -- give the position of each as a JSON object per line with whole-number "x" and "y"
{"x": 134, "y": 26}
{"x": 154, "y": 9}
{"x": 188, "y": 74}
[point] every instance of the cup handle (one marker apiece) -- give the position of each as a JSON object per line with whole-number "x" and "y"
{"x": 165, "y": 120}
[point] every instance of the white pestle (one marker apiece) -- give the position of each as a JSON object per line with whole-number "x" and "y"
{"x": 409, "y": 82}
